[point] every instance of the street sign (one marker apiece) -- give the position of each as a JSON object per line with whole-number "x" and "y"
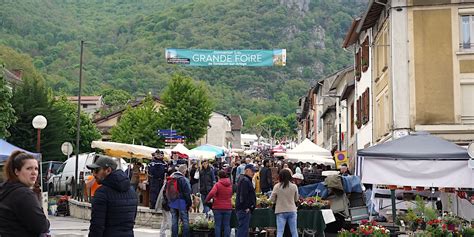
{"x": 174, "y": 140}
{"x": 66, "y": 148}
{"x": 341, "y": 158}
{"x": 175, "y": 137}
{"x": 167, "y": 132}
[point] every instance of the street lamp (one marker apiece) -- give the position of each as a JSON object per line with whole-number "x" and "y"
{"x": 39, "y": 122}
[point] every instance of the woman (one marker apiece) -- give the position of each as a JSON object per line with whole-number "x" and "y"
{"x": 193, "y": 181}
{"x": 20, "y": 210}
{"x": 285, "y": 196}
{"x": 222, "y": 205}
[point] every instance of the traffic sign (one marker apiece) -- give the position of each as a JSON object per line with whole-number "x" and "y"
{"x": 66, "y": 148}
{"x": 167, "y": 132}
{"x": 175, "y": 137}
{"x": 174, "y": 140}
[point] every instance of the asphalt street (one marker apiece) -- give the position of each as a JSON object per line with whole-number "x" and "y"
{"x": 69, "y": 226}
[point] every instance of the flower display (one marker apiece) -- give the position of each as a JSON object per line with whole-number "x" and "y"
{"x": 366, "y": 228}
{"x": 313, "y": 203}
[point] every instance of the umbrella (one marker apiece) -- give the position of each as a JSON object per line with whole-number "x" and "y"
{"x": 218, "y": 151}
{"x": 202, "y": 155}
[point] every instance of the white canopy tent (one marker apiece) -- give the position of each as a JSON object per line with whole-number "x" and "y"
{"x": 202, "y": 155}
{"x": 307, "y": 151}
{"x": 181, "y": 149}
{"x": 124, "y": 150}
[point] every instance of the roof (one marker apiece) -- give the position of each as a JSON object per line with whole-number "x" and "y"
{"x": 352, "y": 35}
{"x": 372, "y": 15}
{"x": 236, "y": 122}
{"x": 339, "y": 76}
{"x": 368, "y": 20}
{"x": 120, "y": 111}
{"x": 416, "y": 146}
{"x": 85, "y": 98}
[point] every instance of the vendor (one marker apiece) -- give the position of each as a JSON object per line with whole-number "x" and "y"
{"x": 343, "y": 170}
{"x": 297, "y": 179}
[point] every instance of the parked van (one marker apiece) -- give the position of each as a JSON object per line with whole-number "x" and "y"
{"x": 61, "y": 182}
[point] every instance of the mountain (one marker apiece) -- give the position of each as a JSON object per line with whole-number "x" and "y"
{"x": 126, "y": 40}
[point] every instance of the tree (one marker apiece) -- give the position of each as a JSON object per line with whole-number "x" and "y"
{"x": 139, "y": 125}
{"x": 292, "y": 124}
{"x": 31, "y": 99}
{"x": 89, "y": 131}
{"x": 187, "y": 107}
{"x": 7, "y": 113}
{"x": 274, "y": 126}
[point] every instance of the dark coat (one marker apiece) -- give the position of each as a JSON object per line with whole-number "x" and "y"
{"x": 266, "y": 178}
{"x": 246, "y": 197}
{"x": 114, "y": 207}
{"x": 207, "y": 180}
{"x": 20, "y": 211}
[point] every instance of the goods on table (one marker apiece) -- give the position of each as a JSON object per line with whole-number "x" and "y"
{"x": 312, "y": 203}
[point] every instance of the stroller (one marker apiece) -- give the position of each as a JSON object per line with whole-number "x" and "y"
{"x": 63, "y": 206}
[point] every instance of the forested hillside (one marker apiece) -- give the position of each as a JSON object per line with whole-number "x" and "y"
{"x": 126, "y": 42}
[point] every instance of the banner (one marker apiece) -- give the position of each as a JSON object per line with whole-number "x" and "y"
{"x": 248, "y": 58}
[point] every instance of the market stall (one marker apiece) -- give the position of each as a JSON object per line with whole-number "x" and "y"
{"x": 307, "y": 151}
{"x": 6, "y": 150}
{"x": 417, "y": 160}
{"x": 124, "y": 150}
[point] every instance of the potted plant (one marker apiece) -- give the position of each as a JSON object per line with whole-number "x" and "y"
{"x": 358, "y": 74}
{"x": 451, "y": 221}
{"x": 202, "y": 228}
{"x": 365, "y": 65}
{"x": 365, "y": 228}
{"x": 358, "y": 123}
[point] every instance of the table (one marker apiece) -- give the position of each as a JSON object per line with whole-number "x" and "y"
{"x": 265, "y": 217}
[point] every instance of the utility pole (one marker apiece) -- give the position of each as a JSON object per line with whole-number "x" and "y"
{"x": 78, "y": 135}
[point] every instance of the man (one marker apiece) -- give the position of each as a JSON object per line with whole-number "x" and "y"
{"x": 234, "y": 172}
{"x": 156, "y": 171}
{"x": 245, "y": 201}
{"x": 179, "y": 204}
{"x": 206, "y": 182}
{"x": 266, "y": 183}
{"x": 114, "y": 206}
{"x": 343, "y": 170}
{"x": 241, "y": 168}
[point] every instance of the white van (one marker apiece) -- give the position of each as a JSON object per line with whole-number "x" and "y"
{"x": 61, "y": 181}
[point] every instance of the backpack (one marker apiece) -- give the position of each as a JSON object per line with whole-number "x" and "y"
{"x": 172, "y": 189}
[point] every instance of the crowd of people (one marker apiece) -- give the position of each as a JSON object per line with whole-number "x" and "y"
{"x": 175, "y": 189}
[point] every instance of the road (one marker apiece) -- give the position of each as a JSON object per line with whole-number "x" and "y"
{"x": 69, "y": 226}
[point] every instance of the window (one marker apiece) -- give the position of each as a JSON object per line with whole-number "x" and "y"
{"x": 467, "y": 32}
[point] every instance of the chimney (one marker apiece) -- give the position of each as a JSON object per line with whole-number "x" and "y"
{"x": 18, "y": 73}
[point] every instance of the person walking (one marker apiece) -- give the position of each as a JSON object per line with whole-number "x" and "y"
{"x": 194, "y": 179}
{"x": 285, "y": 196}
{"x": 162, "y": 205}
{"x": 156, "y": 171}
{"x": 114, "y": 206}
{"x": 241, "y": 167}
{"x": 206, "y": 182}
{"x": 178, "y": 194}
{"x": 245, "y": 201}
{"x": 221, "y": 193}
{"x": 20, "y": 210}
{"x": 266, "y": 183}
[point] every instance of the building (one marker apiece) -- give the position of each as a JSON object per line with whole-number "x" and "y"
{"x": 107, "y": 122}
{"x": 419, "y": 56}
{"x": 89, "y": 104}
{"x": 237, "y": 124}
{"x": 12, "y": 77}
{"x": 219, "y": 132}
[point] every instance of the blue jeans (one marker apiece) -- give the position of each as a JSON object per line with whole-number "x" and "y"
{"x": 206, "y": 209}
{"x": 243, "y": 219}
{"x": 282, "y": 219}
{"x": 222, "y": 218}
{"x": 183, "y": 215}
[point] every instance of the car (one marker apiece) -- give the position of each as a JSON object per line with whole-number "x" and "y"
{"x": 48, "y": 169}
{"x": 61, "y": 182}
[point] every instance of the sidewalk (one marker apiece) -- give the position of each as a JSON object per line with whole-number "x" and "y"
{"x": 69, "y": 226}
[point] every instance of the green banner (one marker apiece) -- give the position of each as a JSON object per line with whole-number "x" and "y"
{"x": 204, "y": 57}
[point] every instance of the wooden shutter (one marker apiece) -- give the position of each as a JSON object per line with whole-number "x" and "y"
{"x": 352, "y": 119}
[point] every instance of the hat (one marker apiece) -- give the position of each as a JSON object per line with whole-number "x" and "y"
{"x": 250, "y": 166}
{"x": 103, "y": 162}
{"x": 298, "y": 176}
{"x": 343, "y": 165}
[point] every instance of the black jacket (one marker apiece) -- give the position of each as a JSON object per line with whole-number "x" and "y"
{"x": 207, "y": 180}
{"x": 266, "y": 178}
{"x": 114, "y": 207}
{"x": 246, "y": 197}
{"x": 20, "y": 211}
